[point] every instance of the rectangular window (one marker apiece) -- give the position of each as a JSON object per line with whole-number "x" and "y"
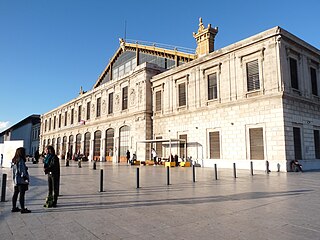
{"x": 253, "y": 81}
{"x": 59, "y": 121}
{"x": 314, "y": 83}
{"x": 214, "y": 142}
{"x": 212, "y": 86}
{"x": 72, "y": 116}
{"x": 88, "y": 110}
{"x": 182, "y": 94}
{"x": 294, "y": 73}
{"x": 316, "y": 143}
{"x": 256, "y": 144}
{"x": 45, "y": 125}
{"x": 49, "y": 124}
{"x": 65, "y": 118}
{"x": 297, "y": 143}
{"x": 124, "y": 98}
{"x": 54, "y": 122}
{"x": 98, "y": 113}
{"x": 110, "y": 105}
{"x": 79, "y": 113}
{"x": 158, "y": 101}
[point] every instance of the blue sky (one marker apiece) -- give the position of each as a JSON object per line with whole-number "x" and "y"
{"x": 48, "y": 49}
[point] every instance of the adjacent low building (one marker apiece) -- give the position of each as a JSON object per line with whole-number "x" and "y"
{"x": 256, "y": 100}
{"x": 27, "y": 131}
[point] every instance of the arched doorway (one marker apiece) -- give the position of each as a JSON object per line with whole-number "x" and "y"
{"x": 71, "y": 147}
{"x": 64, "y": 147}
{"x": 58, "y": 146}
{"x": 78, "y": 143}
{"x": 96, "y": 145}
{"x": 123, "y": 143}
{"x": 86, "y": 150}
{"x": 53, "y": 144}
{"x": 109, "y": 144}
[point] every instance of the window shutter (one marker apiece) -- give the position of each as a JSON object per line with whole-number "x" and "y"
{"x": 124, "y": 98}
{"x": 297, "y": 143}
{"x": 214, "y": 140}
{"x": 182, "y": 94}
{"x": 110, "y": 106}
{"x": 212, "y": 86}
{"x": 253, "y": 82}
{"x": 316, "y": 143}
{"x": 98, "y": 107}
{"x": 158, "y": 101}
{"x": 314, "y": 84}
{"x": 294, "y": 73}
{"x": 256, "y": 143}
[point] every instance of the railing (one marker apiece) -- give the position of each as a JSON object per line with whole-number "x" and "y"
{"x": 161, "y": 45}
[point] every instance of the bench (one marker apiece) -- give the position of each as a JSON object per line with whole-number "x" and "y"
{"x": 169, "y": 164}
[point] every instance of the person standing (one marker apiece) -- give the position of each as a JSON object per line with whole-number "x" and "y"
{"x": 20, "y": 180}
{"x": 128, "y": 156}
{"x": 52, "y": 168}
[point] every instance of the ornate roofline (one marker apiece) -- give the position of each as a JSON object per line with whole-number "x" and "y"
{"x": 153, "y": 50}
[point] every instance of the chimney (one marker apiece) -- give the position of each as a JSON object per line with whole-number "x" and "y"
{"x": 205, "y": 39}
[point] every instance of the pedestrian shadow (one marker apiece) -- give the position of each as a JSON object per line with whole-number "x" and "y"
{"x": 103, "y": 203}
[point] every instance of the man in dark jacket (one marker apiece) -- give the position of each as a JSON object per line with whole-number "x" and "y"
{"x": 52, "y": 168}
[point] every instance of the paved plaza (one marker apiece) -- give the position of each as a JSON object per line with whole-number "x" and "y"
{"x": 263, "y": 206}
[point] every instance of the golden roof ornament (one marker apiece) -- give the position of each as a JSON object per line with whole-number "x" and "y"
{"x": 205, "y": 39}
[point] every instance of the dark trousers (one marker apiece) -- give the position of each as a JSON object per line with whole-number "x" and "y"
{"x": 53, "y": 185}
{"x": 19, "y": 190}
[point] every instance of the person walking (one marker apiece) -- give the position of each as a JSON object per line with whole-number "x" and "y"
{"x": 20, "y": 177}
{"x": 154, "y": 156}
{"x": 52, "y": 168}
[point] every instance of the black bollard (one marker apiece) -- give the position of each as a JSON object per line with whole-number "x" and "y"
{"x": 101, "y": 180}
{"x": 94, "y": 165}
{"x": 4, "y": 186}
{"x": 67, "y": 163}
{"x": 234, "y": 170}
{"x": 215, "y": 172}
{"x": 251, "y": 167}
{"x": 194, "y": 173}
{"x": 168, "y": 175}
{"x": 79, "y": 163}
{"x": 138, "y": 178}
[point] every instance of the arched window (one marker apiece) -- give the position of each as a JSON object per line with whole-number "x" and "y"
{"x": 109, "y": 144}
{"x": 49, "y": 141}
{"x": 78, "y": 143}
{"x": 86, "y": 149}
{"x": 124, "y": 143}
{"x": 97, "y": 145}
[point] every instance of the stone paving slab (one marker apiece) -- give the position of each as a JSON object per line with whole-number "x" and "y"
{"x": 263, "y": 206}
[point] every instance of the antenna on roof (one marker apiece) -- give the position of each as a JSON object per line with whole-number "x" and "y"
{"x": 125, "y": 30}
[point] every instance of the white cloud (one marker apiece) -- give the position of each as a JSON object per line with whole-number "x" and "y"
{"x": 3, "y": 126}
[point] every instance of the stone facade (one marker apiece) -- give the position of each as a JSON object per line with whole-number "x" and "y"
{"x": 274, "y": 107}
{"x": 137, "y": 117}
{"x": 253, "y": 101}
